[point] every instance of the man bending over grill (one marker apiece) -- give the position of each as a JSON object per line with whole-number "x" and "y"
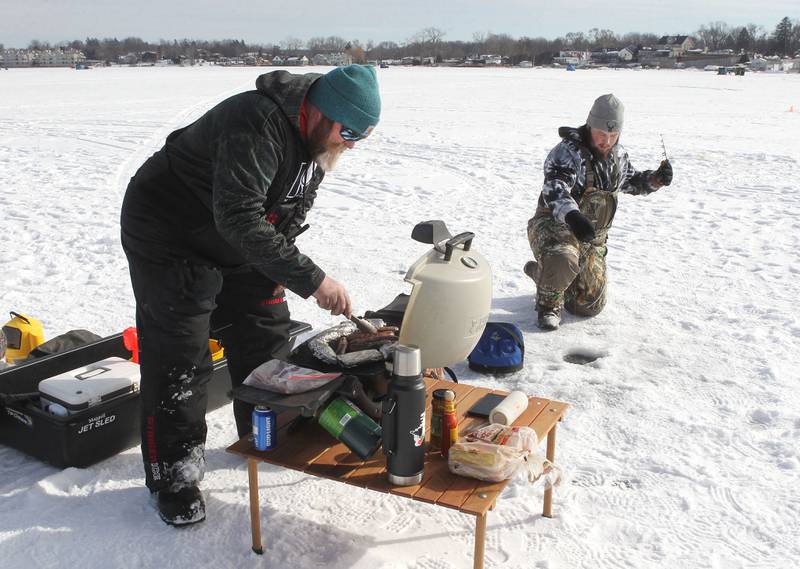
{"x": 209, "y": 224}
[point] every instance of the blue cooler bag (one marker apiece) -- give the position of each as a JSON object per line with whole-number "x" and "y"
{"x": 500, "y": 349}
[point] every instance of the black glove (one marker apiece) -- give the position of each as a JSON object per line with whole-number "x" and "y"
{"x": 664, "y": 173}
{"x": 580, "y": 226}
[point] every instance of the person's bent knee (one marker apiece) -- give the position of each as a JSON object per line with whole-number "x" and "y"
{"x": 557, "y": 271}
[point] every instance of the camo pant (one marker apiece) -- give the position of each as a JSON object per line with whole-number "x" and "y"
{"x": 570, "y": 273}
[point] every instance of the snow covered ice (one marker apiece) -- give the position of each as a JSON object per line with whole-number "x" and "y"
{"x": 681, "y": 445}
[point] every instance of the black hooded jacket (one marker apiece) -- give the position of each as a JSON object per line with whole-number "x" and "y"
{"x": 233, "y": 188}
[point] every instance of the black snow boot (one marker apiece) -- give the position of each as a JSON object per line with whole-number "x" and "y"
{"x": 181, "y": 507}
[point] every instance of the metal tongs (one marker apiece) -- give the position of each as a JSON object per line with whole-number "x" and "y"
{"x": 363, "y": 325}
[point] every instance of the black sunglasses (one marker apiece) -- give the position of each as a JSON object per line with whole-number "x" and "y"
{"x": 351, "y": 135}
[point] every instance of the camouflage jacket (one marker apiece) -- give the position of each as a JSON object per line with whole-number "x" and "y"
{"x": 565, "y": 173}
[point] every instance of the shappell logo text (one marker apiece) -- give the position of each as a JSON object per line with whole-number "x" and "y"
{"x": 21, "y": 417}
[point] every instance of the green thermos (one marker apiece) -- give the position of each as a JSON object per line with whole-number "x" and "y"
{"x": 348, "y": 424}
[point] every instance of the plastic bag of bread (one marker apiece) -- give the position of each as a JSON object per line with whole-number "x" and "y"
{"x": 497, "y": 452}
{"x": 519, "y": 438}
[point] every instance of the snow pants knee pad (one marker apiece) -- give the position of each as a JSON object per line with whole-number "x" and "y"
{"x": 557, "y": 252}
{"x": 586, "y": 296}
{"x": 556, "y": 271}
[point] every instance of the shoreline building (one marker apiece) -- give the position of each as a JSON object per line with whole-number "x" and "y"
{"x": 42, "y": 57}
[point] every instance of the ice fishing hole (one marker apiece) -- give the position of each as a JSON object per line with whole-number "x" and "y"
{"x": 582, "y": 356}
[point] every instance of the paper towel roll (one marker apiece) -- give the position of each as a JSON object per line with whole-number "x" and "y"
{"x": 509, "y": 408}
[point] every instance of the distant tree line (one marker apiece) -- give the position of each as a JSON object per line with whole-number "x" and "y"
{"x": 784, "y": 40}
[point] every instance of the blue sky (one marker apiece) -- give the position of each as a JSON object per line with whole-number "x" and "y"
{"x": 269, "y": 22}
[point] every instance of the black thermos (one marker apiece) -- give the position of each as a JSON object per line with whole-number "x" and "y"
{"x": 403, "y": 420}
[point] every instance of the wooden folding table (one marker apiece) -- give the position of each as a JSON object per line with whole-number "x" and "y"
{"x": 311, "y": 450}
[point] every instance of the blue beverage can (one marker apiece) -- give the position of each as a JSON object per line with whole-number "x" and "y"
{"x": 265, "y": 433}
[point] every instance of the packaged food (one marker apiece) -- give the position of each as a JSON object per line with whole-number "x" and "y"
{"x": 497, "y": 452}
{"x": 520, "y": 438}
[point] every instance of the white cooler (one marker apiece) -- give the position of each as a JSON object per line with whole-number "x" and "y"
{"x": 82, "y": 388}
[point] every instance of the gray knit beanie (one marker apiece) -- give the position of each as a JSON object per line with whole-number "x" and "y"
{"x": 607, "y": 114}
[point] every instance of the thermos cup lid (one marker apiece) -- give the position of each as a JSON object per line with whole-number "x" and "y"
{"x": 407, "y": 361}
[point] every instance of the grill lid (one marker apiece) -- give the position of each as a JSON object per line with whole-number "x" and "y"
{"x": 451, "y": 296}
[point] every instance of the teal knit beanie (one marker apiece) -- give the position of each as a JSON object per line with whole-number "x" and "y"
{"x": 349, "y": 95}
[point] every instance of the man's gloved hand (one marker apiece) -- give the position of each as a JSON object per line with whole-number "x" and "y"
{"x": 332, "y": 296}
{"x": 580, "y": 226}
{"x": 664, "y": 173}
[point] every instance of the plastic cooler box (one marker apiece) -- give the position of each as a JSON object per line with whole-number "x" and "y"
{"x": 89, "y": 386}
{"x": 99, "y": 422}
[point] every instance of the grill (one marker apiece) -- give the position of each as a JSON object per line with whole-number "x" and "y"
{"x": 443, "y": 316}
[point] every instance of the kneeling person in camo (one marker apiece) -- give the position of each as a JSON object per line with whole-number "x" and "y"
{"x": 583, "y": 176}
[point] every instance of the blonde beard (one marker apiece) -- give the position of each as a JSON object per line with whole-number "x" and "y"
{"x": 327, "y": 160}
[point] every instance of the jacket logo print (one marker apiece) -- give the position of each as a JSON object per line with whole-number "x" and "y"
{"x": 304, "y": 176}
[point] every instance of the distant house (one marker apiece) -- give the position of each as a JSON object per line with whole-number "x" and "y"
{"x": 629, "y": 53}
{"x": 340, "y": 58}
{"x": 295, "y": 61}
{"x": 492, "y": 59}
{"x": 128, "y": 59}
{"x": 255, "y": 58}
{"x": 759, "y": 63}
{"x": 571, "y": 57}
{"x": 604, "y": 57}
{"x": 771, "y": 63}
{"x": 337, "y": 59}
{"x": 677, "y": 45}
{"x": 662, "y": 58}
